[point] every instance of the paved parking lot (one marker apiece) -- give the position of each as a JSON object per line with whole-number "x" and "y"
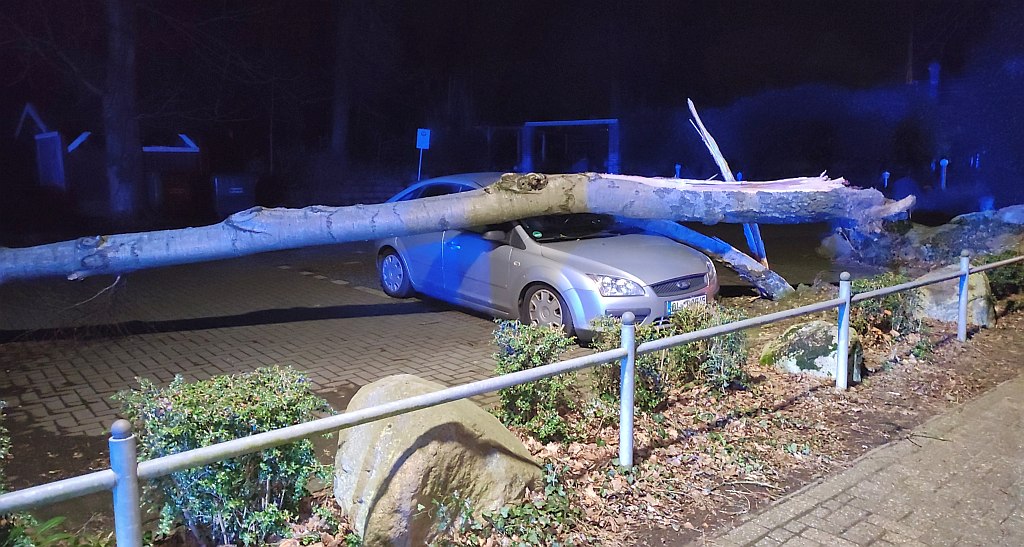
{"x": 68, "y": 346}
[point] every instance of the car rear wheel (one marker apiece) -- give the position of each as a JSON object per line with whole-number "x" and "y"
{"x": 394, "y": 276}
{"x": 542, "y": 305}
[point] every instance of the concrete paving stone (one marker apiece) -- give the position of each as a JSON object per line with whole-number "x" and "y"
{"x": 847, "y": 515}
{"x": 767, "y": 542}
{"x": 825, "y": 538}
{"x": 894, "y": 538}
{"x": 800, "y": 541}
{"x": 863, "y": 533}
{"x": 940, "y": 538}
{"x": 823, "y": 510}
{"x": 829, "y": 507}
{"x": 897, "y": 506}
{"x": 822, "y": 524}
{"x": 748, "y": 533}
{"x": 780, "y": 534}
{"x": 82, "y": 414}
{"x": 70, "y": 399}
{"x": 52, "y": 404}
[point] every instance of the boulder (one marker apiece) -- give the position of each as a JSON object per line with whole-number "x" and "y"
{"x": 1013, "y": 214}
{"x": 810, "y": 348}
{"x": 391, "y": 474}
{"x": 940, "y": 301}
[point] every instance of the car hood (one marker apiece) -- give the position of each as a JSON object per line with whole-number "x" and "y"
{"x": 650, "y": 259}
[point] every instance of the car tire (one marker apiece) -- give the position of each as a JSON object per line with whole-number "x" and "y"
{"x": 393, "y": 275}
{"x": 542, "y": 305}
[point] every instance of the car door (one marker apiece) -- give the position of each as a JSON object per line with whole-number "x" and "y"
{"x": 423, "y": 252}
{"x": 476, "y": 270}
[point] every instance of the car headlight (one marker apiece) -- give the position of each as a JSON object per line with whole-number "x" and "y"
{"x": 616, "y": 286}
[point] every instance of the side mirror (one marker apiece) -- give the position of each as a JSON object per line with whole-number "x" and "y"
{"x": 495, "y": 235}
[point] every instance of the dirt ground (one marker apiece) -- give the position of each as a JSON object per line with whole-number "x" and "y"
{"x": 899, "y": 392}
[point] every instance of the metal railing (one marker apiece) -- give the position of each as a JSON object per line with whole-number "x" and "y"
{"x": 126, "y": 471}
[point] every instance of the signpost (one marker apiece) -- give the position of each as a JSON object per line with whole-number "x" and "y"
{"x": 423, "y": 143}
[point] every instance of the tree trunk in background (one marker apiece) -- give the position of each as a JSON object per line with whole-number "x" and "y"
{"x": 341, "y": 99}
{"x": 121, "y": 125}
{"x": 257, "y": 230}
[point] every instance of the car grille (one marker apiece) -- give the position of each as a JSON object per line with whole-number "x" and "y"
{"x": 681, "y": 285}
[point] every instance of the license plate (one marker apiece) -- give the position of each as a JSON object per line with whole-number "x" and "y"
{"x": 686, "y": 303}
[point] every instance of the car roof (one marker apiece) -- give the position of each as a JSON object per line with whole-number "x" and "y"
{"x": 476, "y": 180}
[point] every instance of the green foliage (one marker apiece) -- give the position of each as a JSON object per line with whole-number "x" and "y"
{"x": 651, "y": 382}
{"x": 246, "y": 499}
{"x": 1006, "y": 280}
{"x": 893, "y": 312}
{"x": 5, "y": 449}
{"x": 716, "y": 362}
{"x": 542, "y": 520}
{"x": 539, "y": 407}
{"x": 13, "y": 528}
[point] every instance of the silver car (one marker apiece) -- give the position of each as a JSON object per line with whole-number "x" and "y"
{"x": 561, "y": 270}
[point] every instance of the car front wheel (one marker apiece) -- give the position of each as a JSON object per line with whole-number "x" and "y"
{"x": 394, "y": 276}
{"x": 542, "y": 305}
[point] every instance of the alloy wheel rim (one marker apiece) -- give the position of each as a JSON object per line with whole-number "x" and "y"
{"x": 545, "y": 310}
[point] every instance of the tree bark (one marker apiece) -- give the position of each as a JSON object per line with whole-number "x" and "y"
{"x": 515, "y": 196}
{"x": 121, "y": 125}
{"x": 341, "y": 96}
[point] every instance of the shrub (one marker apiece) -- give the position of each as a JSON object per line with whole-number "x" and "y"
{"x": 716, "y": 362}
{"x": 538, "y": 407}
{"x": 1006, "y": 280}
{"x": 15, "y": 529}
{"x": 893, "y": 312}
{"x": 546, "y": 519}
{"x": 650, "y": 387}
{"x": 245, "y": 499}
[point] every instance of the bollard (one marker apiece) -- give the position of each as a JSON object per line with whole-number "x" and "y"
{"x": 963, "y": 295}
{"x": 124, "y": 462}
{"x": 627, "y": 379}
{"x": 843, "y": 349}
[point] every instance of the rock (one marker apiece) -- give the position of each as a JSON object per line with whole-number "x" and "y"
{"x": 1013, "y": 214}
{"x": 810, "y": 348}
{"x": 939, "y": 301}
{"x": 390, "y": 474}
{"x": 835, "y": 246}
{"x": 922, "y": 248}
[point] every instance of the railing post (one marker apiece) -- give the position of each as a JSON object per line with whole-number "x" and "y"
{"x": 843, "y": 349}
{"x": 963, "y": 295}
{"x": 124, "y": 462}
{"x": 627, "y": 379}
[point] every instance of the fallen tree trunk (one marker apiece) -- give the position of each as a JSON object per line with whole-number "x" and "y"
{"x": 768, "y": 283}
{"x": 259, "y": 230}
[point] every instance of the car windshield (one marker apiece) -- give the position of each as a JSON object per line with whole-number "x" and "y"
{"x": 569, "y": 227}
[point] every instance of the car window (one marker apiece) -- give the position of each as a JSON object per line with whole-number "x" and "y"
{"x": 432, "y": 190}
{"x": 504, "y": 227}
{"x": 435, "y": 190}
{"x": 569, "y": 226}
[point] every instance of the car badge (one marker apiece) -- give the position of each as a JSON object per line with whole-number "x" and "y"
{"x": 682, "y": 285}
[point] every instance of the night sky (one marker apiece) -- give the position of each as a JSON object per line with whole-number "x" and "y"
{"x": 247, "y": 77}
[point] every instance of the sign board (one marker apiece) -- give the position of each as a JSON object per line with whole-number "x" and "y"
{"x": 423, "y": 139}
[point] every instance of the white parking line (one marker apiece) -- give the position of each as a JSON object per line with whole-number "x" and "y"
{"x": 368, "y": 290}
